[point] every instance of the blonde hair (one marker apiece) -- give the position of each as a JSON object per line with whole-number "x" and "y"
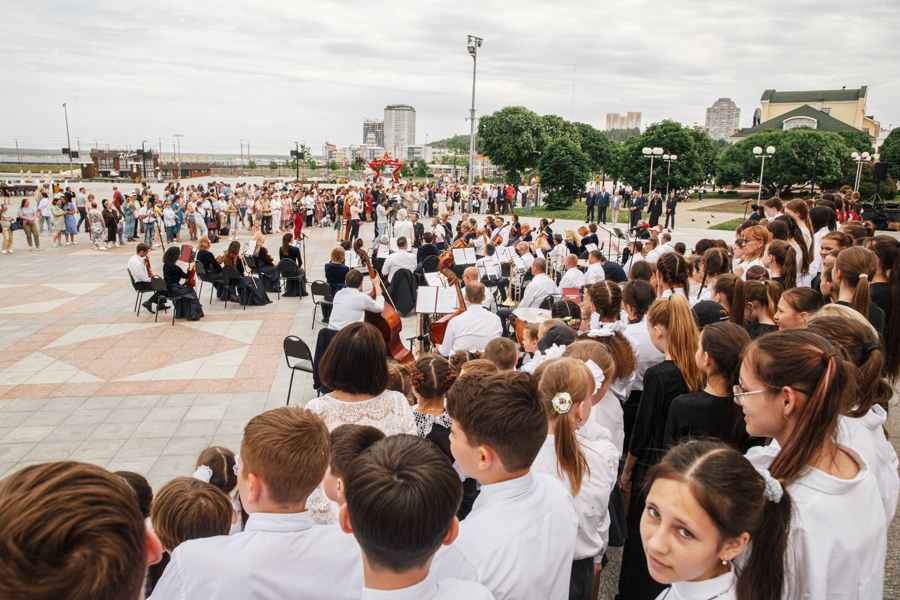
{"x": 585, "y": 350}
{"x": 544, "y": 327}
{"x": 674, "y": 314}
{"x": 571, "y": 376}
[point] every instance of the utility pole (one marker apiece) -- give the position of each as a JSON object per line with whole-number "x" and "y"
{"x": 242, "y": 154}
{"x": 68, "y": 139}
{"x": 178, "y": 174}
{"x": 178, "y": 136}
{"x": 17, "y": 152}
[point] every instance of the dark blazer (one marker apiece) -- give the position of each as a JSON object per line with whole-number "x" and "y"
{"x": 671, "y": 203}
{"x": 638, "y": 202}
{"x": 591, "y": 200}
{"x": 603, "y": 200}
{"x": 614, "y": 272}
{"x": 425, "y": 251}
{"x": 420, "y": 231}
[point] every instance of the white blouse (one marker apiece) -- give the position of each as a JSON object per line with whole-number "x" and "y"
{"x": 866, "y": 436}
{"x": 720, "y": 588}
{"x": 838, "y": 540}
{"x": 647, "y": 355}
{"x": 389, "y": 411}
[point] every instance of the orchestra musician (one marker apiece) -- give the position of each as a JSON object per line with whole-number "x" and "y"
{"x": 288, "y": 251}
{"x": 188, "y": 306}
{"x": 471, "y": 274}
{"x": 427, "y": 249}
{"x": 474, "y": 328}
{"x": 350, "y": 304}
{"x": 139, "y": 267}
{"x": 211, "y": 266}
{"x": 419, "y": 230}
{"x": 265, "y": 266}
{"x": 403, "y": 259}
{"x": 252, "y": 292}
{"x": 537, "y": 290}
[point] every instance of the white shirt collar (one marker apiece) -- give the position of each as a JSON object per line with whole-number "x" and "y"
{"x": 425, "y": 589}
{"x": 278, "y": 522}
{"x": 505, "y": 490}
{"x": 703, "y": 590}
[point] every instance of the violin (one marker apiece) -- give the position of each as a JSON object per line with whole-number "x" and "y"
{"x": 438, "y": 329}
{"x": 387, "y": 321}
{"x": 191, "y": 280}
{"x": 147, "y": 264}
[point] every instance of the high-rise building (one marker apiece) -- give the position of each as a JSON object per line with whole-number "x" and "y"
{"x": 631, "y": 120}
{"x": 399, "y": 129}
{"x": 373, "y": 132}
{"x": 723, "y": 119}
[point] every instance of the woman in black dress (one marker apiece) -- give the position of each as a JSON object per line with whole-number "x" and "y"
{"x": 111, "y": 222}
{"x": 432, "y": 377}
{"x": 212, "y": 267}
{"x": 655, "y": 209}
{"x": 253, "y": 292}
{"x": 188, "y": 306}
{"x": 287, "y": 251}
{"x": 673, "y": 331}
{"x": 265, "y": 266}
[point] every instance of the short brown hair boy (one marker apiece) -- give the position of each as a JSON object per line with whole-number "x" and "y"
{"x": 288, "y": 448}
{"x": 501, "y": 411}
{"x": 348, "y": 442}
{"x": 502, "y": 352}
{"x": 189, "y": 509}
{"x": 402, "y": 498}
{"x": 79, "y": 512}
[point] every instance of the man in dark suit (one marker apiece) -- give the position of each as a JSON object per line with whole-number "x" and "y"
{"x": 602, "y": 205}
{"x": 671, "y": 203}
{"x": 636, "y": 206}
{"x": 431, "y": 195}
{"x": 418, "y": 228}
{"x": 590, "y": 202}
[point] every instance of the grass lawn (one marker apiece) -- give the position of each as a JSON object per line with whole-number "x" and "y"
{"x": 575, "y": 212}
{"x": 736, "y": 205}
{"x": 35, "y": 169}
{"x": 727, "y": 225}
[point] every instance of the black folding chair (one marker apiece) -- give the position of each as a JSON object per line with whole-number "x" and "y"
{"x": 289, "y": 271}
{"x": 140, "y": 294}
{"x": 430, "y": 264}
{"x": 297, "y": 349}
{"x": 159, "y": 285}
{"x": 546, "y": 303}
{"x": 230, "y": 274}
{"x": 323, "y": 290}
{"x": 204, "y": 278}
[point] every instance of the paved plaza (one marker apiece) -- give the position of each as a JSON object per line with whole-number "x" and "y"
{"x": 83, "y": 378}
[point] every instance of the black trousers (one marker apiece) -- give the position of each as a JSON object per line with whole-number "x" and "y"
{"x": 601, "y": 214}
{"x": 590, "y": 213}
{"x": 671, "y": 216}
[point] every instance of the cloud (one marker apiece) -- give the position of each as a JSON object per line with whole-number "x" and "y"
{"x": 278, "y": 72}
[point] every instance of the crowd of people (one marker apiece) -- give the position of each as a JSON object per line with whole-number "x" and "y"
{"x": 719, "y": 414}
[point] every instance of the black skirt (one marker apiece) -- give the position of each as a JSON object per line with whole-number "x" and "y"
{"x": 187, "y": 306}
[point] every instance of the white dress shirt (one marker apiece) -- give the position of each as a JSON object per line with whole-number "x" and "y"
{"x": 405, "y": 229}
{"x": 866, "y": 436}
{"x": 592, "y": 500}
{"x": 138, "y": 268}
{"x": 518, "y": 541}
{"x": 350, "y": 306}
{"x": 594, "y": 274}
{"x": 634, "y": 258}
{"x": 402, "y": 259}
{"x": 654, "y": 255}
{"x": 838, "y": 537}
{"x": 573, "y": 278}
{"x": 722, "y": 587}
{"x": 539, "y": 288}
{"x": 647, "y": 354}
{"x": 471, "y": 331}
{"x": 429, "y": 589}
{"x": 607, "y": 422}
{"x": 277, "y": 556}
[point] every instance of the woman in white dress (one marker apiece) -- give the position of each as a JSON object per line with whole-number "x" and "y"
{"x": 794, "y": 387}
{"x": 355, "y": 367}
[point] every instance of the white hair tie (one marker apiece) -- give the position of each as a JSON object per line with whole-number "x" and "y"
{"x": 863, "y": 276}
{"x": 774, "y": 491}
{"x": 597, "y": 372}
{"x": 203, "y": 473}
{"x": 237, "y": 467}
{"x": 554, "y": 351}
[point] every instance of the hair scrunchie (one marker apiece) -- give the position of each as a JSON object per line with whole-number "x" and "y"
{"x": 774, "y": 491}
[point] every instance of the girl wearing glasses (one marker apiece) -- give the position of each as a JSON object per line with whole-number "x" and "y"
{"x": 794, "y": 387}
{"x": 755, "y": 240}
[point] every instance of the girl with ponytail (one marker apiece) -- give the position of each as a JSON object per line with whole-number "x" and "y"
{"x": 794, "y": 387}
{"x": 885, "y": 292}
{"x": 728, "y": 290}
{"x": 762, "y": 301}
{"x": 795, "y": 307}
{"x": 853, "y": 270}
{"x": 780, "y": 258}
{"x": 432, "y": 377}
{"x": 715, "y": 262}
{"x": 706, "y": 502}
{"x": 674, "y": 332}
{"x": 587, "y": 468}
{"x": 672, "y": 275}
{"x": 861, "y": 427}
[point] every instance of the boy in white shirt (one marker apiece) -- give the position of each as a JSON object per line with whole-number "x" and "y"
{"x": 284, "y": 455}
{"x": 402, "y": 496}
{"x": 519, "y": 539}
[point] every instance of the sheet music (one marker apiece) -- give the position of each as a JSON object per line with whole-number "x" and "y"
{"x": 528, "y": 259}
{"x": 351, "y": 260}
{"x": 394, "y": 247}
{"x": 590, "y": 247}
{"x": 426, "y": 299}
{"x": 520, "y": 264}
{"x": 433, "y": 279}
{"x": 503, "y": 254}
{"x": 446, "y": 300}
{"x": 470, "y": 256}
{"x": 383, "y": 251}
{"x": 539, "y": 252}
{"x": 492, "y": 269}
{"x": 251, "y": 247}
{"x": 459, "y": 256}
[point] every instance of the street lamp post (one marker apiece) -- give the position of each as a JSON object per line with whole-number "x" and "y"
{"x": 68, "y": 139}
{"x": 669, "y": 158}
{"x": 757, "y": 151}
{"x": 474, "y": 43}
{"x": 179, "y": 136}
{"x": 652, "y": 153}
{"x": 603, "y": 149}
{"x": 818, "y": 147}
{"x": 859, "y": 159}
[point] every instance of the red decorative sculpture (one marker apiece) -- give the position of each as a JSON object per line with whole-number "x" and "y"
{"x": 386, "y": 161}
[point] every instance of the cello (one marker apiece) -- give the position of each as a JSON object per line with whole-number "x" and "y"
{"x": 446, "y": 259}
{"x": 438, "y": 329}
{"x": 387, "y": 321}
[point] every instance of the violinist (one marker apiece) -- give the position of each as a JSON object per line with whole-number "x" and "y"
{"x": 502, "y": 231}
{"x": 287, "y": 251}
{"x": 211, "y": 266}
{"x": 350, "y": 304}
{"x": 419, "y": 230}
{"x": 545, "y": 228}
{"x": 439, "y": 234}
{"x": 427, "y": 249}
{"x": 265, "y": 266}
{"x": 474, "y": 328}
{"x": 137, "y": 266}
{"x": 252, "y": 292}
{"x": 188, "y": 305}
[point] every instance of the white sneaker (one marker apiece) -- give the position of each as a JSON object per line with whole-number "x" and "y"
{"x": 30, "y": 248}
{"x": 156, "y": 245}
{"x": 55, "y": 245}
{"x": 3, "y": 252}
{"x": 102, "y": 248}
{"x": 39, "y": 249}
{"x": 74, "y": 243}
{"x": 118, "y": 244}
{"x": 10, "y": 251}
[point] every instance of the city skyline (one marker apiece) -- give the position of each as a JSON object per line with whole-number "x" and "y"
{"x": 224, "y": 77}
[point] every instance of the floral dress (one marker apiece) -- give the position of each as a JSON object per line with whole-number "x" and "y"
{"x": 98, "y": 231}
{"x": 320, "y": 208}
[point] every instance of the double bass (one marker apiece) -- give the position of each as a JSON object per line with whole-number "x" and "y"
{"x": 438, "y": 329}
{"x": 387, "y": 321}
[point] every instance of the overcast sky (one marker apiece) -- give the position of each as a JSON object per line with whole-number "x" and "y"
{"x": 276, "y": 72}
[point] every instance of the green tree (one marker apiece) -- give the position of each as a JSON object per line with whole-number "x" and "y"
{"x": 333, "y": 165}
{"x": 421, "y": 169}
{"x": 857, "y": 141}
{"x": 556, "y": 127}
{"x": 564, "y": 171}
{"x": 312, "y": 165}
{"x": 406, "y": 171}
{"x": 510, "y": 137}
{"x": 357, "y": 165}
{"x": 890, "y": 152}
{"x": 620, "y": 135}
{"x": 251, "y": 164}
{"x": 707, "y": 155}
{"x": 291, "y": 165}
{"x": 687, "y": 170}
{"x": 273, "y": 165}
{"x": 594, "y": 144}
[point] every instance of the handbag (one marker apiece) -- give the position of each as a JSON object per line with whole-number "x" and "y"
{"x": 16, "y": 225}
